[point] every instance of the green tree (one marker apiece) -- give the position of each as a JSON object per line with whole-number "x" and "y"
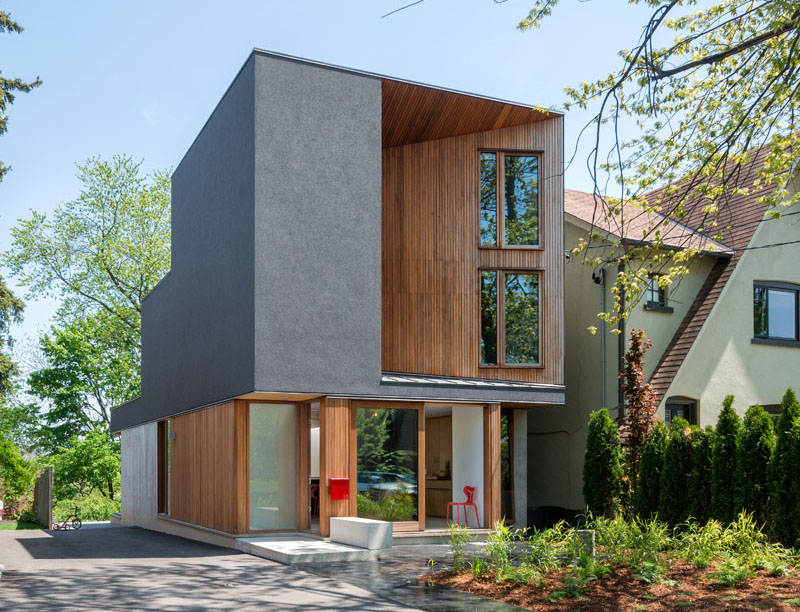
{"x": 755, "y": 454}
{"x": 102, "y": 252}
{"x": 651, "y": 464}
{"x": 784, "y": 499}
{"x": 89, "y": 464}
{"x": 724, "y": 463}
{"x": 724, "y": 86}
{"x": 602, "y": 466}
{"x": 674, "y": 502}
{"x": 16, "y": 478}
{"x": 91, "y": 366}
{"x": 700, "y": 476}
{"x": 8, "y": 87}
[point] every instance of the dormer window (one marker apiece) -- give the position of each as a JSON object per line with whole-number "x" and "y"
{"x": 509, "y": 182}
{"x": 656, "y": 295}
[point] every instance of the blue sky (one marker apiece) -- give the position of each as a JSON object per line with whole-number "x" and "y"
{"x": 142, "y": 77}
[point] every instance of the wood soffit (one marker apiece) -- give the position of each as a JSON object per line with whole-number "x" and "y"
{"x": 415, "y": 113}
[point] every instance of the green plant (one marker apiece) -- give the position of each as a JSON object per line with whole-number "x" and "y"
{"x": 723, "y": 463}
{"x": 731, "y": 573}
{"x": 755, "y": 455}
{"x": 397, "y": 506}
{"x": 478, "y": 568}
{"x": 589, "y": 568}
{"x": 602, "y": 465}
{"x": 498, "y": 547}
{"x": 16, "y": 479}
{"x": 459, "y": 538}
{"x": 699, "y": 543}
{"x": 784, "y": 498}
{"x": 700, "y": 475}
{"x": 645, "y": 498}
{"x": 674, "y": 499}
{"x": 649, "y": 572}
{"x": 93, "y": 507}
{"x": 542, "y": 548}
{"x": 572, "y": 587}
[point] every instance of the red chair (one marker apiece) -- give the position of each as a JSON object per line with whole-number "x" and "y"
{"x": 470, "y": 493}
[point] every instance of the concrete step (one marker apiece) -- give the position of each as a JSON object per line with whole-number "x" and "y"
{"x": 434, "y": 536}
{"x": 292, "y": 549}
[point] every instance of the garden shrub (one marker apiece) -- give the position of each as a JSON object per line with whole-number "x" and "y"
{"x": 700, "y": 476}
{"x": 459, "y": 538}
{"x": 93, "y": 507}
{"x": 16, "y": 479}
{"x": 675, "y": 501}
{"x": 723, "y": 463}
{"x": 648, "y": 486}
{"x": 784, "y": 498}
{"x": 602, "y": 465}
{"x": 755, "y": 454}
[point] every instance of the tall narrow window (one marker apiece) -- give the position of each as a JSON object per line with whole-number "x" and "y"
{"x": 489, "y": 317}
{"x": 522, "y": 318}
{"x": 509, "y": 183}
{"x": 521, "y": 200}
{"x": 509, "y": 318}
{"x": 776, "y": 313}
{"x": 488, "y": 199}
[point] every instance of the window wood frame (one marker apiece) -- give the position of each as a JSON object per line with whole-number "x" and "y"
{"x": 500, "y": 212}
{"x": 500, "y": 291}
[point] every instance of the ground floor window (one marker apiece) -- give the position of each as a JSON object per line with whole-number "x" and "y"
{"x": 273, "y": 466}
{"x": 164, "y": 435}
{"x": 680, "y": 407}
{"x": 387, "y": 463}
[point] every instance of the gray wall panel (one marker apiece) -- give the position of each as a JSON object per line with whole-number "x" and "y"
{"x": 317, "y": 227}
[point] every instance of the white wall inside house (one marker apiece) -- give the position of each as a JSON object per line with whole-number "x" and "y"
{"x": 468, "y": 455}
{"x": 315, "y": 452}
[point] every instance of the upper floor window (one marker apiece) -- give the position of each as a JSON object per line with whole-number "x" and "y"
{"x": 656, "y": 295}
{"x": 509, "y": 182}
{"x": 775, "y": 313}
{"x": 509, "y": 318}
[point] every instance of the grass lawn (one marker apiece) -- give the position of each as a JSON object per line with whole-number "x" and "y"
{"x": 13, "y": 525}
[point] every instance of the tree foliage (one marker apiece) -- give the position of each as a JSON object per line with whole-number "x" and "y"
{"x": 755, "y": 454}
{"x": 651, "y": 464}
{"x": 725, "y": 455}
{"x": 89, "y": 464}
{"x": 700, "y": 476}
{"x": 16, "y": 477}
{"x": 783, "y": 472}
{"x": 726, "y": 86}
{"x": 674, "y": 502}
{"x": 640, "y": 403}
{"x": 9, "y": 87}
{"x": 602, "y": 466}
{"x": 102, "y": 252}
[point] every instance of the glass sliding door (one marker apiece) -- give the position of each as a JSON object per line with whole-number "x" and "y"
{"x": 273, "y": 466}
{"x": 387, "y": 442}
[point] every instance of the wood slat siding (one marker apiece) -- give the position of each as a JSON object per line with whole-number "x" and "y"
{"x": 491, "y": 465}
{"x": 431, "y": 258}
{"x": 208, "y": 468}
{"x": 303, "y": 464}
{"x": 335, "y": 459}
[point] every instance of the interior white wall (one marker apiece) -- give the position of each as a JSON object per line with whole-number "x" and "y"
{"x": 468, "y": 454}
{"x": 314, "y": 452}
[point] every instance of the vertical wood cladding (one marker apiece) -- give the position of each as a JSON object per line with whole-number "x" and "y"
{"x": 208, "y": 467}
{"x": 337, "y": 459}
{"x": 431, "y": 258}
{"x": 491, "y": 465}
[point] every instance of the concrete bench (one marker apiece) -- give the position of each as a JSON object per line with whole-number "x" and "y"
{"x": 361, "y": 532}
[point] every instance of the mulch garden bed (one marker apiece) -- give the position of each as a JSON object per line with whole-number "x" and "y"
{"x": 693, "y": 589}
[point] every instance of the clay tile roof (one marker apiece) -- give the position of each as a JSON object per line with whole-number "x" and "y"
{"x": 638, "y": 225}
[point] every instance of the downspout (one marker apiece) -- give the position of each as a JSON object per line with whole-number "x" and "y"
{"x": 621, "y": 347}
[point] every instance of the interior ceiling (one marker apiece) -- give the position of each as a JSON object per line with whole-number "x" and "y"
{"x": 437, "y": 411}
{"x": 414, "y": 113}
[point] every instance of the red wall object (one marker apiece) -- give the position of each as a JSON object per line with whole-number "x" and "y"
{"x": 339, "y": 488}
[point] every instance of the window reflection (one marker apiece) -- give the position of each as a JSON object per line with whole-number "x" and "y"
{"x": 387, "y": 459}
{"x": 521, "y": 193}
{"x": 522, "y": 318}
{"x": 488, "y": 199}
{"x": 489, "y": 318}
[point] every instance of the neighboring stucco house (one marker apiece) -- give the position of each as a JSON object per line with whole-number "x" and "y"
{"x": 365, "y": 301}
{"x": 729, "y": 327}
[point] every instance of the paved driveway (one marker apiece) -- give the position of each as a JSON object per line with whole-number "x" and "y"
{"x": 107, "y": 567}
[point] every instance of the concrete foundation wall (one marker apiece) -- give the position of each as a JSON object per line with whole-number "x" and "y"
{"x": 520, "y": 475}
{"x": 140, "y": 475}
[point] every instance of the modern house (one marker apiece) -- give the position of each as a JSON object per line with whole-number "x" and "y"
{"x": 365, "y": 303}
{"x": 730, "y": 326}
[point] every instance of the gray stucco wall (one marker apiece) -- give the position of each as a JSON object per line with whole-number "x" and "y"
{"x": 317, "y": 227}
{"x": 197, "y": 324}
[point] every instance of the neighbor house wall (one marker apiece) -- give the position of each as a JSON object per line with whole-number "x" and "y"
{"x": 723, "y": 360}
{"x": 557, "y": 435}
